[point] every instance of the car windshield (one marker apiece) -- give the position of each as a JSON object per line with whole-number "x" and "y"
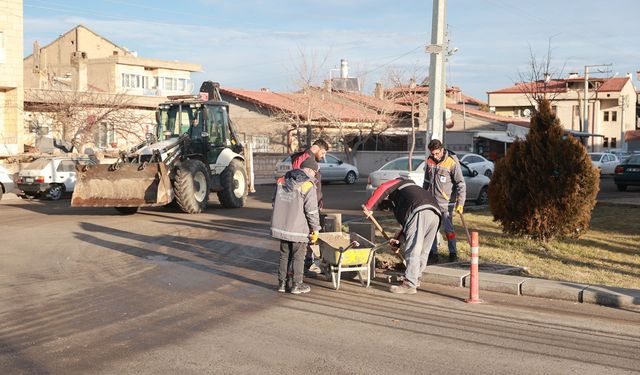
{"x": 595, "y": 157}
{"x": 37, "y": 164}
{"x": 401, "y": 164}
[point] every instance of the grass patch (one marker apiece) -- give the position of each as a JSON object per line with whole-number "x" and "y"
{"x": 608, "y": 254}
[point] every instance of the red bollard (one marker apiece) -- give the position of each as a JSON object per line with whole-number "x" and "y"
{"x": 474, "y": 288}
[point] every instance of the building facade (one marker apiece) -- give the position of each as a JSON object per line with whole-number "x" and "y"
{"x": 83, "y": 65}
{"x": 11, "y": 85}
{"x": 611, "y": 108}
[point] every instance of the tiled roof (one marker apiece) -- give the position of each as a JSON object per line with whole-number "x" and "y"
{"x": 323, "y": 106}
{"x": 631, "y": 135}
{"x": 614, "y": 84}
{"x": 554, "y": 86}
{"x": 487, "y": 115}
{"x": 379, "y": 105}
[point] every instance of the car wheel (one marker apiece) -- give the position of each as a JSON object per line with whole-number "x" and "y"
{"x": 55, "y": 192}
{"x": 483, "y": 197}
{"x": 351, "y": 178}
{"x": 621, "y": 187}
{"x": 488, "y": 173}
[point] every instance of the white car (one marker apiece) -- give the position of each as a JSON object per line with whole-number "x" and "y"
{"x": 606, "y": 162}
{"x": 50, "y": 177}
{"x": 331, "y": 169}
{"x": 477, "y": 162}
{"x": 477, "y": 184}
{"x": 6, "y": 181}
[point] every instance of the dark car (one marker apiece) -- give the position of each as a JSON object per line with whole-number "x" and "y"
{"x": 628, "y": 173}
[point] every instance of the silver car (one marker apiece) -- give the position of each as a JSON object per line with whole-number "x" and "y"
{"x": 477, "y": 184}
{"x": 331, "y": 169}
{"x": 476, "y": 162}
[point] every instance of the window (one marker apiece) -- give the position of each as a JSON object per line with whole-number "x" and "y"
{"x": 606, "y": 116}
{"x": 330, "y": 159}
{"x": 260, "y": 143}
{"x": 614, "y": 117}
{"x": 132, "y": 81}
{"x": 2, "y": 48}
{"x": 106, "y": 135}
{"x": 66, "y": 166}
{"x": 605, "y": 142}
{"x": 614, "y": 143}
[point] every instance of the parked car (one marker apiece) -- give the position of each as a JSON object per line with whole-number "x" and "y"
{"x": 628, "y": 173}
{"x": 605, "y": 161}
{"x": 477, "y": 184}
{"x": 477, "y": 162}
{"x": 6, "y": 181}
{"x": 331, "y": 169}
{"x": 50, "y": 177}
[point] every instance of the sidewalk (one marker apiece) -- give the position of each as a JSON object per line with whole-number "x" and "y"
{"x": 533, "y": 287}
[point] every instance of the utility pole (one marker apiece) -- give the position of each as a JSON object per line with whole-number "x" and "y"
{"x": 585, "y": 111}
{"x": 437, "y": 49}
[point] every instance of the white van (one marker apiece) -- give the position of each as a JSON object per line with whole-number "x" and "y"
{"x": 50, "y": 177}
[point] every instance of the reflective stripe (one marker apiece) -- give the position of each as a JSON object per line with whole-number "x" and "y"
{"x": 280, "y": 231}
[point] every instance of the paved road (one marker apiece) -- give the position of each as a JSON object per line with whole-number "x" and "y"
{"x": 85, "y": 291}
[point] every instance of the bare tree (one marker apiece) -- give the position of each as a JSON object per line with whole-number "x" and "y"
{"x": 537, "y": 84}
{"x": 408, "y": 95}
{"x": 76, "y": 116}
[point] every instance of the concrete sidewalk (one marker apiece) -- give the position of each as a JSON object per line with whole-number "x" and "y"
{"x": 533, "y": 287}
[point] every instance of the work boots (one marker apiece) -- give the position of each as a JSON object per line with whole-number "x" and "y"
{"x": 404, "y": 288}
{"x": 300, "y": 288}
{"x": 282, "y": 286}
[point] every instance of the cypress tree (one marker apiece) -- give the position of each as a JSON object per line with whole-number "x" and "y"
{"x": 546, "y": 185}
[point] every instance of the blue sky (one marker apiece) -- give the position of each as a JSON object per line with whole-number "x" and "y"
{"x": 252, "y": 44}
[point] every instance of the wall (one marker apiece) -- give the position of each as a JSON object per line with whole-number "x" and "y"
{"x": 11, "y": 82}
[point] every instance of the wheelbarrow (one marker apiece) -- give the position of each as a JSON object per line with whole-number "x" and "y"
{"x": 346, "y": 252}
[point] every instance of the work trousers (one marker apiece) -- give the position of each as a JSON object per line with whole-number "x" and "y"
{"x": 449, "y": 231}
{"x": 292, "y": 253}
{"x": 419, "y": 234}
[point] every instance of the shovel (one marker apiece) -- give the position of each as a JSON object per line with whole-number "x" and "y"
{"x": 464, "y": 225}
{"x": 384, "y": 234}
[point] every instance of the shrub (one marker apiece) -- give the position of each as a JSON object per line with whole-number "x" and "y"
{"x": 546, "y": 185}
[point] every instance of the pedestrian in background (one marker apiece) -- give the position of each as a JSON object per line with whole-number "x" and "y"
{"x": 442, "y": 178}
{"x": 417, "y": 212}
{"x": 295, "y": 222}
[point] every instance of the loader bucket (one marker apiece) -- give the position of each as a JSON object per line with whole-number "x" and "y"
{"x": 130, "y": 185}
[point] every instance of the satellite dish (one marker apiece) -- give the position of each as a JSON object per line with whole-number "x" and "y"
{"x": 526, "y": 112}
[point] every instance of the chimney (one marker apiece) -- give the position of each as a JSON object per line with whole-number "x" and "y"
{"x": 344, "y": 69}
{"x": 573, "y": 75}
{"x": 326, "y": 85}
{"x": 629, "y": 76}
{"x": 379, "y": 91}
{"x": 547, "y": 77}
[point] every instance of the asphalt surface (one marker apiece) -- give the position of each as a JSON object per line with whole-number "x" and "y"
{"x": 87, "y": 291}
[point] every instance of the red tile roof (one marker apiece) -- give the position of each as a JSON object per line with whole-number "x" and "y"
{"x": 615, "y": 84}
{"x": 323, "y": 107}
{"x": 487, "y": 115}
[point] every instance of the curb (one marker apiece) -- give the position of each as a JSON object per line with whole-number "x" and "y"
{"x": 532, "y": 287}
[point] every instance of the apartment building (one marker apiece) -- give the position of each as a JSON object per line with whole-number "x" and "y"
{"x": 81, "y": 60}
{"x": 611, "y": 108}
{"x": 11, "y": 93}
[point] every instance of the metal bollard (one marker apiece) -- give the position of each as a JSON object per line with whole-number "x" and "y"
{"x": 474, "y": 288}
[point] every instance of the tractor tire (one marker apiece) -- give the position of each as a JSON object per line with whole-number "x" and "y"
{"x": 126, "y": 210}
{"x": 234, "y": 183}
{"x": 192, "y": 186}
{"x": 55, "y": 192}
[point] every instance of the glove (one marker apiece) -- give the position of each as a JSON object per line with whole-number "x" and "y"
{"x": 459, "y": 209}
{"x": 395, "y": 244}
{"x": 313, "y": 237}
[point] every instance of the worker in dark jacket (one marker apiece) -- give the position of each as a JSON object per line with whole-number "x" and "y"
{"x": 295, "y": 222}
{"x": 418, "y": 214}
{"x": 442, "y": 178}
{"x": 309, "y": 158}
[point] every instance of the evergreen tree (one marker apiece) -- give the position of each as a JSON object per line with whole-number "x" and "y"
{"x": 546, "y": 185}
